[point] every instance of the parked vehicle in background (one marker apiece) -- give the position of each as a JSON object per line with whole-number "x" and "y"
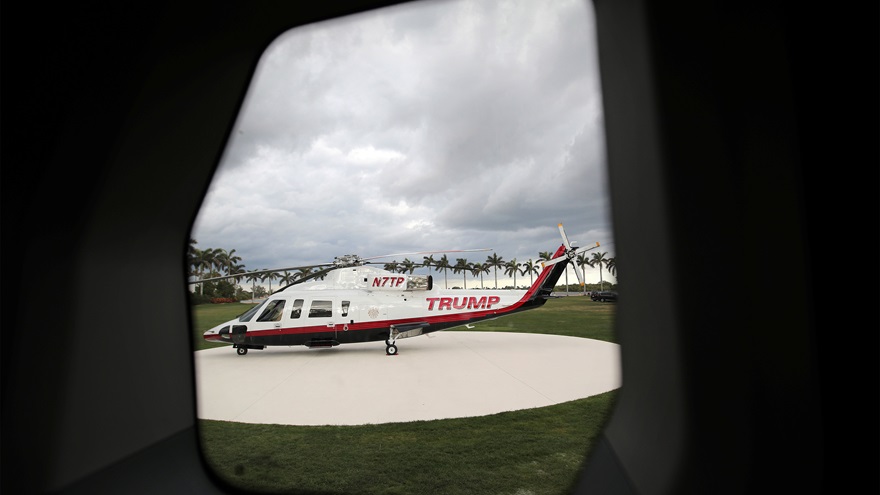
{"x": 604, "y": 295}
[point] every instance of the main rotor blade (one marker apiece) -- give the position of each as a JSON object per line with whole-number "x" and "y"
{"x": 585, "y": 249}
{"x": 564, "y": 238}
{"x": 554, "y": 261}
{"x": 580, "y": 276}
{"x": 256, "y": 272}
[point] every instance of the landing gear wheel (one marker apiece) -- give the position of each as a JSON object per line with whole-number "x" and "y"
{"x": 391, "y": 349}
{"x": 242, "y": 351}
{"x": 387, "y": 343}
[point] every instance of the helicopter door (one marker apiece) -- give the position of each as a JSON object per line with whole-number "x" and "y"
{"x": 321, "y": 310}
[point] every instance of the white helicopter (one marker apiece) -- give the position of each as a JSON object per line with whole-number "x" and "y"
{"x": 359, "y": 303}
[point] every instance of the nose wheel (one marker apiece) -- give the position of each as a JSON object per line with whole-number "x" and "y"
{"x": 242, "y": 349}
{"x": 390, "y": 347}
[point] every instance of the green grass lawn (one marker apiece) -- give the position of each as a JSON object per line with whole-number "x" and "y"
{"x": 533, "y": 451}
{"x": 575, "y": 316}
{"x": 206, "y": 316}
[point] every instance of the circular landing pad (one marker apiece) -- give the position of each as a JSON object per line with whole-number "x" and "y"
{"x": 443, "y": 375}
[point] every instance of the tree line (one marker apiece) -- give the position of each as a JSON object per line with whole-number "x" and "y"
{"x": 217, "y": 262}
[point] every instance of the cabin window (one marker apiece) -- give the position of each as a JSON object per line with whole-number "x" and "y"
{"x": 345, "y": 305}
{"x": 273, "y": 311}
{"x": 297, "y": 309}
{"x": 321, "y": 309}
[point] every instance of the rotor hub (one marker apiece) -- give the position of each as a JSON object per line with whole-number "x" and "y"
{"x": 347, "y": 260}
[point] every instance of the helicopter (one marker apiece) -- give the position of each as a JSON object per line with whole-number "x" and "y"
{"x": 351, "y": 302}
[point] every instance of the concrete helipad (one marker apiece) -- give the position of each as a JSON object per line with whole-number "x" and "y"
{"x": 442, "y": 375}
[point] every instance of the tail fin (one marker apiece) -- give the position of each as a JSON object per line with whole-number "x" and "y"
{"x": 548, "y": 277}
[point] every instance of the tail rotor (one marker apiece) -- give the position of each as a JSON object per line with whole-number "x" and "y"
{"x": 571, "y": 254}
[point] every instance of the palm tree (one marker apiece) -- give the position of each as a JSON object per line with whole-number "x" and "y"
{"x": 302, "y": 273}
{"x": 270, "y": 276}
{"x": 510, "y": 268}
{"x": 225, "y": 261}
{"x": 599, "y": 259}
{"x": 394, "y": 266}
{"x": 443, "y": 264}
{"x": 232, "y": 260}
{"x": 286, "y": 278}
{"x": 462, "y": 266}
{"x": 407, "y": 266}
{"x": 205, "y": 261}
{"x": 234, "y": 270}
{"x": 428, "y": 262}
{"x": 582, "y": 261}
{"x": 611, "y": 265}
{"x": 253, "y": 278}
{"x": 221, "y": 260}
{"x": 531, "y": 268}
{"x": 480, "y": 269}
{"x": 494, "y": 262}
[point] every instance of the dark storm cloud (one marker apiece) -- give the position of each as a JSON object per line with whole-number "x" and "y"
{"x": 448, "y": 125}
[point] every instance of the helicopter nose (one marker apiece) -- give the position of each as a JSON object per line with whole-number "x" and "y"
{"x": 217, "y": 334}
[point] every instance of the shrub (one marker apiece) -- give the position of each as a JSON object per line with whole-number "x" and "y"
{"x": 196, "y": 298}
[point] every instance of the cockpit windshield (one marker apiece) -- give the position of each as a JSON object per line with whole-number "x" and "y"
{"x": 247, "y": 315}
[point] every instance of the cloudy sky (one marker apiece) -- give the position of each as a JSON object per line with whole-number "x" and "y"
{"x": 434, "y": 126}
